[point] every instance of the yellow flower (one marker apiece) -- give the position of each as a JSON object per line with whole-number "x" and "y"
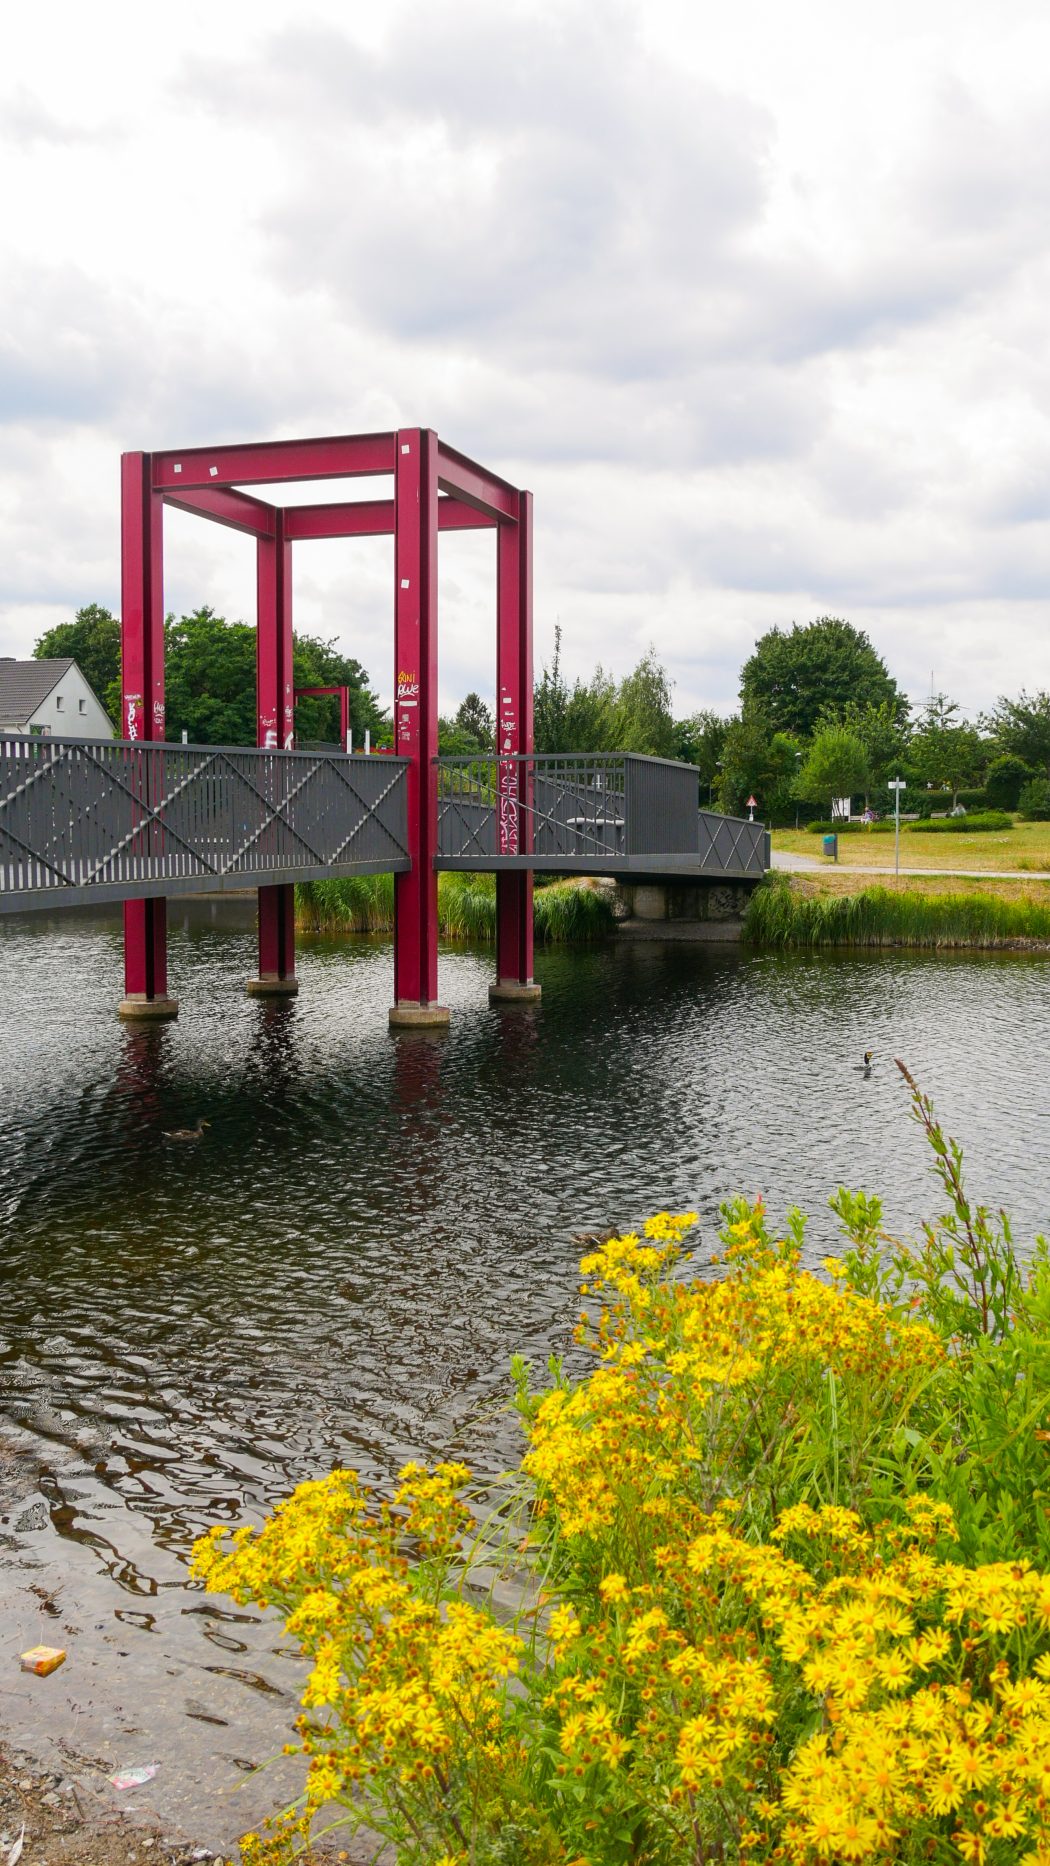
{"x": 614, "y": 1587}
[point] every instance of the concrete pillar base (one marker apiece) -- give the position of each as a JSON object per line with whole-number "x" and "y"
{"x": 419, "y": 1017}
{"x": 270, "y": 986}
{"x": 140, "y": 1009}
{"x": 512, "y": 991}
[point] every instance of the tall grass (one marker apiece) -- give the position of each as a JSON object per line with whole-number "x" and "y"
{"x": 351, "y": 904}
{"x": 570, "y": 912}
{"x": 777, "y": 916}
{"x": 564, "y": 912}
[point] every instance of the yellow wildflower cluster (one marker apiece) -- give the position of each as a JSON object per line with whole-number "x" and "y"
{"x": 721, "y": 1661}
{"x": 690, "y": 1368}
{"x": 931, "y": 1682}
{"x": 408, "y": 1688}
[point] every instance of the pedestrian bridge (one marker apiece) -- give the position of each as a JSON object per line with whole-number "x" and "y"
{"x": 83, "y": 821}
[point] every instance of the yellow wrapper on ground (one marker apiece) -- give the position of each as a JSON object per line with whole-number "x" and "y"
{"x": 42, "y": 1659}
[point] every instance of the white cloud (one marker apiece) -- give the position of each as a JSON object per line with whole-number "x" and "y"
{"x": 754, "y": 302}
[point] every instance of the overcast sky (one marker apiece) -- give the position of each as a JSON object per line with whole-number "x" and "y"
{"x": 753, "y": 297}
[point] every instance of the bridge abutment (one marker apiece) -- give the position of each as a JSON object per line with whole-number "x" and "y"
{"x": 717, "y": 905}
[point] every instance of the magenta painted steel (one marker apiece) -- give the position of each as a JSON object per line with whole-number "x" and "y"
{"x": 373, "y": 518}
{"x": 275, "y": 727}
{"x": 142, "y": 693}
{"x": 514, "y": 939}
{"x": 277, "y": 932}
{"x": 340, "y": 456}
{"x": 435, "y": 489}
{"x": 415, "y": 709}
{"x": 344, "y": 707}
{"x": 227, "y": 507}
{"x": 474, "y": 486}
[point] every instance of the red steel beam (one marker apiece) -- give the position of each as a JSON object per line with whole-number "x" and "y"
{"x": 514, "y": 936}
{"x": 226, "y": 507}
{"x": 142, "y": 699}
{"x": 373, "y": 518}
{"x": 416, "y": 713}
{"x": 339, "y": 456}
{"x": 475, "y": 486}
{"x": 358, "y": 518}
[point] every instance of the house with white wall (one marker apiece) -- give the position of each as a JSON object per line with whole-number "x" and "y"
{"x": 51, "y": 698}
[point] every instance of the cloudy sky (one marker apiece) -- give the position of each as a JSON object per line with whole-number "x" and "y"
{"x": 754, "y": 298}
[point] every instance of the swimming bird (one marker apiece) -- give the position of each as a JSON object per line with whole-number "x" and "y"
{"x": 865, "y": 1066}
{"x": 187, "y": 1133}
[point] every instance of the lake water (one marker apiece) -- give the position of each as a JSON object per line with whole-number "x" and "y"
{"x": 340, "y": 1270}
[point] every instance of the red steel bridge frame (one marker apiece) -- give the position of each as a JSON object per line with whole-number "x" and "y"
{"x": 435, "y": 489}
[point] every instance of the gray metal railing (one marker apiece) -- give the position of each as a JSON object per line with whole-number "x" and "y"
{"x": 84, "y": 821}
{"x": 605, "y": 813}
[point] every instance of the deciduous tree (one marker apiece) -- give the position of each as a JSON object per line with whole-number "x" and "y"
{"x": 795, "y": 675}
{"x": 1022, "y": 726}
{"x": 836, "y": 765}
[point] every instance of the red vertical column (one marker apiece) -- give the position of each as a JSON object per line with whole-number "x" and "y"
{"x": 415, "y": 724}
{"x": 514, "y": 980}
{"x": 275, "y": 721}
{"x": 142, "y": 713}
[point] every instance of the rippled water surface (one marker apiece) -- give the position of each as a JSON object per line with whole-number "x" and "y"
{"x": 341, "y": 1269}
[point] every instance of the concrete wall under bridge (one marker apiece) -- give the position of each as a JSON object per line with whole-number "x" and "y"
{"x": 702, "y": 910}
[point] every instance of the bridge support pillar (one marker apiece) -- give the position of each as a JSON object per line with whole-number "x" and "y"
{"x": 514, "y": 981}
{"x": 276, "y": 944}
{"x": 415, "y": 726}
{"x": 142, "y": 715}
{"x": 146, "y": 963}
{"x": 275, "y": 723}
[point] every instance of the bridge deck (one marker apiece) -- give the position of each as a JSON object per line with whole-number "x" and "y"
{"x": 84, "y": 821}
{"x": 604, "y": 814}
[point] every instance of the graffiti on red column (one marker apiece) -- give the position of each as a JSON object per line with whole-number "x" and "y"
{"x": 407, "y": 706}
{"x": 508, "y": 778}
{"x": 133, "y": 716}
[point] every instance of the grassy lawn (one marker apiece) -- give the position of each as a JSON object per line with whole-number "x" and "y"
{"x": 1026, "y": 846}
{"x": 832, "y": 880}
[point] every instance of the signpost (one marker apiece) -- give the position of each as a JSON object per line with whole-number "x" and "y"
{"x": 896, "y": 785}
{"x": 751, "y": 802}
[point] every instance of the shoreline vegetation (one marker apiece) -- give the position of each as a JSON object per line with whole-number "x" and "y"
{"x": 780, "y": 914}
{"x": 785, "y": 911}
{"x": 775, "y": 1569}
{"x": 564, "y": 912}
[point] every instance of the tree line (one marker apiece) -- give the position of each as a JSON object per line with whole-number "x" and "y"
{"x": 820, "y": 716}
{"x": 209, "y": 677}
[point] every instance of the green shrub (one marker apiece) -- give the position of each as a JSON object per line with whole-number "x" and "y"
{"x": 1034, "y": 802}
{"x": 1005, "y": 779}
{"x": 980, "y": 800}
{"x": 852, "y": 828}
{"x": 962, "y": 825}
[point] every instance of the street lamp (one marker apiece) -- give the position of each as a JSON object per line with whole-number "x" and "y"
{"x": 798, "y": 767}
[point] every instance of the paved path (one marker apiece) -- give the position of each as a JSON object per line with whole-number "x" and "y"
{"x": 810, "y": 864}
